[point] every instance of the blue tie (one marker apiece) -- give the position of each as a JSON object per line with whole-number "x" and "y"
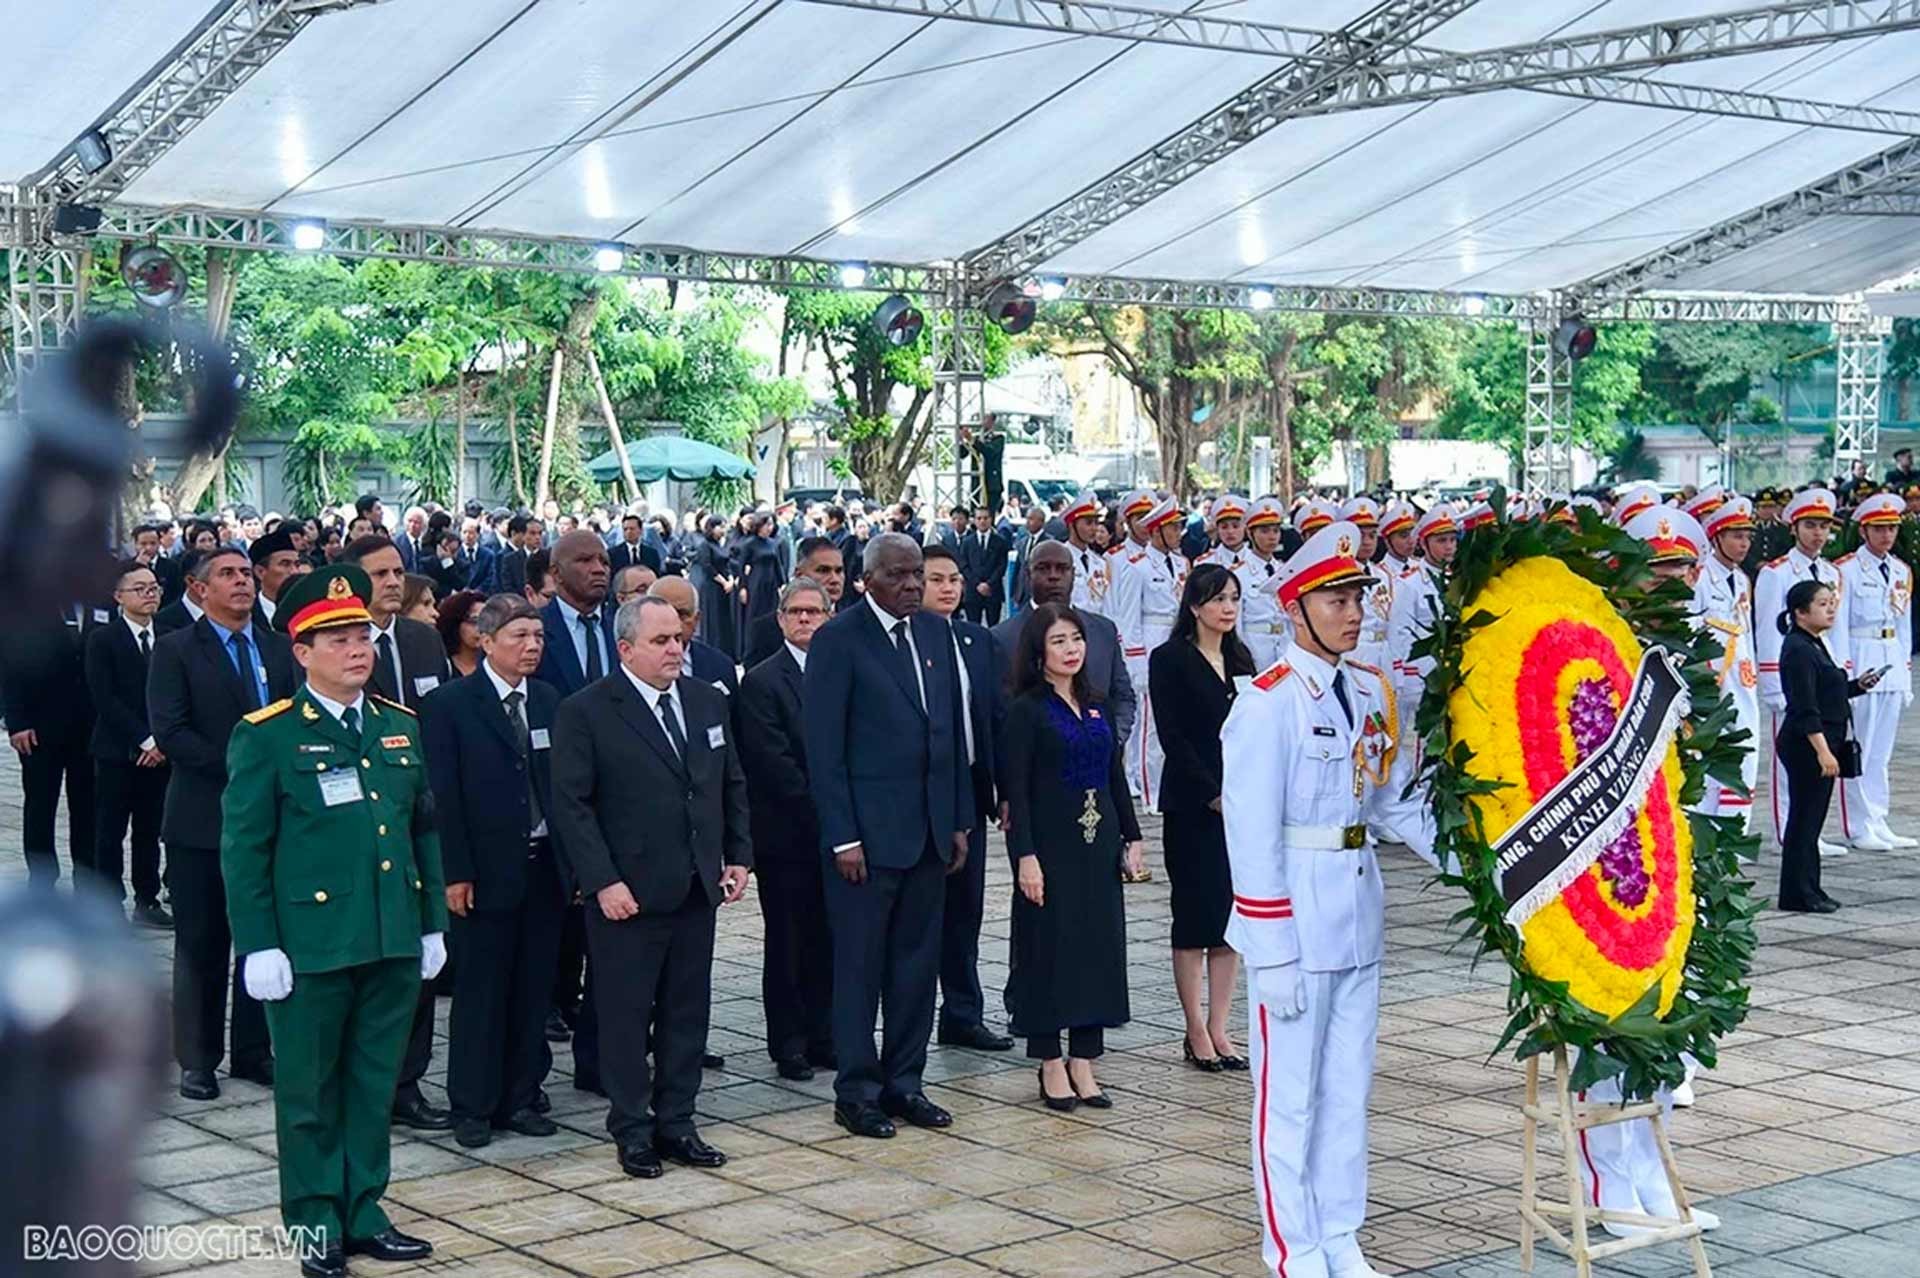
{"x": 243, "y": 662}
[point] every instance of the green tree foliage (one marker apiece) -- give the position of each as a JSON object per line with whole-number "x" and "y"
{"x": 1704, "y": 374}
{"x": 1487, "y": 398}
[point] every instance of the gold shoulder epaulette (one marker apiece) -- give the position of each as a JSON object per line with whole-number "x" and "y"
{"x": 395, "y": 705}
{"x": 1774, "y": 563}
{"x": 265, "y": 713}
{"x": 1372, "y": 670}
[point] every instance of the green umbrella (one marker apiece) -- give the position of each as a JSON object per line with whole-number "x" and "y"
{"x": 671, "y": 457}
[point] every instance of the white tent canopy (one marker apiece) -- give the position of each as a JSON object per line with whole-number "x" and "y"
{"x": 834, "y": 131}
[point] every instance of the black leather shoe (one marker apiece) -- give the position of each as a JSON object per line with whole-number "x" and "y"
{"x": 530, "y": 1123}
{"x": 689, "y": 1151}
{"x": 199, "y": 1084}
{"x": 1065, "y": 1104}
{"x": 710, "y": 1060}
{"x": 557, "y": 1031}
{"x": 390, "y": 1244}
{"x": 1826, "y": 905}
{"x": 472, "y": 1133}
{"x": 542, "y": 1102}
{"x": 260, "y": 1072}
{"x": 916, "y": 1109}
{"x": 152, "y": 914}
{"x": 864, "y": 1120}
{"x": 1205, "y": 1064}
{"x": 641, "y": 1161}
{"x": 329, "y": 1263}
{"x": 794, "y": 1068}
{"x": 413, "y": 1111}
{"x": 978, "y": 1037}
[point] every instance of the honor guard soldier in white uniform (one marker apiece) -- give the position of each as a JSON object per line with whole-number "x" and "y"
{"x": 1705, "y": 502}
{"x": 1633, "y": 499}
{"x": 1302, "y": 747}
{"x": 1312, "y": 516}
{"x": 1133, "y": 508}
{"x": 1810, "y": 516}
{"x": 1091, "y": 578}
{"x": 1878, "y": 588}
{"x": 1377, "y": 604}
{"x": 1416, "y": 604}
{"x": 1144, "y": 604}
{"x": 1263, "y": 622}
{"x": 1228, "y": 515}
{"x": 1396, "y": 530}
{"x": 1724, "y": 600}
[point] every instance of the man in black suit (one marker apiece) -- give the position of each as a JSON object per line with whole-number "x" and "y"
{"x": 1024, "y": 541}
{"x": 698, "y": 659}
{"x": 409, "y": 661}
{"x": 510, "y": 570}
{"x": 983, "y": 562}
{"x": 185, "y": 610}
{"x": 166, "y": 568}
{"x": 275, "y": 563}
{"x": 130, "y": 772}
{"x": 1050, "y": 568}
{"x": 820, "y": 559}
{"x": 49, "y": 717}
{"x": 488, "y": 745}
{"x": 887, "y": 753}
{"x": 633, "y": 548}
{"x": 962, "y": 1003}
{"x": 796, "y": 967}
{"x": 202, "y": 680}
{"x": 651, "y": 810}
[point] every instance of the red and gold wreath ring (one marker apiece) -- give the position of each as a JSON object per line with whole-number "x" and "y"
{"x": 1540, "y": 689}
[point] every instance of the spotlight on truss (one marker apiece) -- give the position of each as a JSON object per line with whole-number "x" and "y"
{"x": 1260, "y": 298}
{"x": 309, "y": 237}
{"x": 154, "y": 276}
{"x": 1473, "y": 306}
{"x": 1010, "y": 309}
{"x": 609, "y": 258}
{"x": 91, "y": 149}
{"x": 76, "y": 219}
{"x": 853, "y": 274}
{"x": 1052, "y": 288}
{"x": 898, "y": 321}
{"x": 1575, "y": 339}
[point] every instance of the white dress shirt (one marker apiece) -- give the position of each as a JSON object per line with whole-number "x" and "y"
{"x": 393, "y": 635}
{"x": 887, "y": 623}
{"x": 500, "y": 689}
{"x": 653, "y": 697}
{"x": 799, "y": 655}
{"x": 138, "y": 631}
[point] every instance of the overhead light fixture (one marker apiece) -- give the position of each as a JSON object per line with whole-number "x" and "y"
{"x": 1260, "y": 298}
{"x": 1575, "y": 339}
{"x": 898, "y": 321}
{"x": 853, "y": 274}
{"x": 1052, "y": 288}
{"x": 1010, "y": 309}
{"x": 1473, "y": 306}
{"x": 91, "y": 149}
{"x": 309, "y": 237}
{"x": 76, "y": 219}
{"x": 609, "y": 258}
{"x": 154, "y": 276}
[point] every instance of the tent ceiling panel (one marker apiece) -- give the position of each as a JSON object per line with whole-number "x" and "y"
{"x": 1833, "y": 255}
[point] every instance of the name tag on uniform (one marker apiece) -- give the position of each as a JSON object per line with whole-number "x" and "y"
{"x": 337, "y": 788}
{"x": 716, "y": 738}
{"x": 539, "y": 738}
{"x": 727, "y": 692}
{"x": 423, "y": 684}
{"x": 102, "y": 615}
{"x": 1322, "y": 730}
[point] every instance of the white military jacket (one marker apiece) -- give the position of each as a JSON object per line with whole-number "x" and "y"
{"x": 1260, "y": 611}
{"x": 1091, "y": 579}
{"x": 1416, "y": 606}
{"x": 1306, "y": 885}
{"x": 1879, "y": 616}
{"x": 1723, "y": 599}
{"x": 1770, "y": 588}
{"x": 1144, "y": 599}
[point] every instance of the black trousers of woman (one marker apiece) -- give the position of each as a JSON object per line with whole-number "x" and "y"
{"x": 1084, "y": 1043}
{"x": 1809, "y": 795}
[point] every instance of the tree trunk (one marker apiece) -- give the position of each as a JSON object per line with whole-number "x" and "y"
{"x": 1283, "y": 439}
{"x": 546, "y": 433}
{"x": 460, "y": 438}
{"x": 513, "y": 449}
{"x": 204, "y": 468}
{"x": 613, "y": 426}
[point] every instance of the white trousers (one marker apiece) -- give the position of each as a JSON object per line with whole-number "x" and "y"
{"x": 1620, "y": 1167}
{"x": 1863, "y": 799}
{"x": 1145, "y": 759}
{"x": 1312, "y": 1075}
{"x": 1777, "y": 780}
{"x": 1722, "y": 800}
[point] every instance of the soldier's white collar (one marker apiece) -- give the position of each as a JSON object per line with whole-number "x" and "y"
{"x": 1313, "y": 670}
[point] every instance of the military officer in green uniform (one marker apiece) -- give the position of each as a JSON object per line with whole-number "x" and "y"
{"x": 335, "y": 894}
{"x": 1771, "y": 537}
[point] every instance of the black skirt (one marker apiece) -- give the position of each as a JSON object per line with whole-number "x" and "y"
{"x": 1197, "y": 871}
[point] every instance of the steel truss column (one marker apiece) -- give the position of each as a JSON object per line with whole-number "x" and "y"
{"x": 960, "y": 393}
{"x": 1547, "y": 450}
{"x": 1859, "y": 341}
{"x": 43, "y": 304}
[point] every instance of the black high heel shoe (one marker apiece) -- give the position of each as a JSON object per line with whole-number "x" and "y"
{"x": 1099, "y": 1100}
{"x": 1065, "y": 1103}
{"x": 1205, "y": 1064}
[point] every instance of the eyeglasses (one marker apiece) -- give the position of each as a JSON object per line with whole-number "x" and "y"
{"x": 148, "y": 589}
{"x": 803, "y": 613}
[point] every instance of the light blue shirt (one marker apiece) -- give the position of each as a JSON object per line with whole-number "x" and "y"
{"x": 583, "y": 634}
{"x": 257, "y": 674}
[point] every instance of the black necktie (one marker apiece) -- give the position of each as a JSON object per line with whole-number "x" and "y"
{"x": 384, "y": 647}
{"x": 146, "y": 644}
{"x": 671, "y": 719}
{"x": 517, "y": 717}
{"x": 250, "y": 681}
{"x": 1340, "y": 694}
{"x": 905, "y": 652}
{"x": 589, "y": 624}
{"x": 350, "y": 720}
{"x": 1885, "y": 575}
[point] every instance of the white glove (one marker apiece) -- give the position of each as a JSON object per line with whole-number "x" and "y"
{"x": 1281, "y": 990}
{"x": 433, "y": 955}
{"x": 268, "y": 975}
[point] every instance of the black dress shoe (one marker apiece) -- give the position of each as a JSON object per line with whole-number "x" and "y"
{"x": 530, "y": 1122}
{"x": 1205, "y": 1064}
{"x": 260, "y": 1072}
{"x": 1233, "y": 1064}
{"x": 331, "y": 1262}
{"x": 557, "y": 1031}
{"x": 641, "y": 1161}
{"x": 390, "y": 1244}
{"x": 794, "y": 1068}
{"x": 151, "y": 914}
{"x": 1825, "y": 905}
{"x": 688, "y": 1151}
{"x": 542, "y": 1102}
{"x": 711, "y": 1060}
{"x": 472, "y": 1133}
{"x": 413, "y": 1111}
{"x": 199, "y": 1084}
{"x": 864, "y": 1120}
{"x": 1065, "y": 1104}
{"x": 916, "y": 1109}
{"x": 978, "y": 1037}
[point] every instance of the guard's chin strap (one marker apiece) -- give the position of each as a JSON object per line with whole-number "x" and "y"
{"x": 1306, "y": 619}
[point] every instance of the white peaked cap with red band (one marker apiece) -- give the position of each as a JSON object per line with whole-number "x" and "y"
{"x": 1265, "y": 512}
{"x": 1085, "y": 506}
{"x": 1478, "y": 515}
{"x": 1810, "y": 503}
{"x": 1441, "y": 519}
{"x": 1673, "y": 533}
{"x": 1227, "y": 506}
{"x": 1731, "y": 515}
{"x": 1327, "y": 558}
{"x": 1705, "y": 502}
{"x": 1363, "y": 512}
{"x": 1633, "y": 499}
{"x": 1164, "y": 511}
{"x": 1885, "y": 508}
{"x": 1137, "y": 503}
{"x": 1314, "y": 516}
{"x": 1398, "y": 517}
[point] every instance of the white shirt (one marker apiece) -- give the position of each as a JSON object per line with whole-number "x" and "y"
{"x": 267, "y": 606}
{"x": 966, "y": 693}
{"x": 392, "y": 632}
{"x": 194, "y": 610}
{"x": 338, "y": 709}
{"x": 138, "y": 631}
{"x": 653, "y": 697}
{"x": 500, "y": 689}
{"x": 887, "y": 624}
{"x": 799, "y": 655}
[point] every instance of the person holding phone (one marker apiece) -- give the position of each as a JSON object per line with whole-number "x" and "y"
{"x": 1878, "y": 587}
{"x": 1813, "y": 738}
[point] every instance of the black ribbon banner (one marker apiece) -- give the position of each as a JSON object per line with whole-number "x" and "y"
{"x": 1565, "y": 832}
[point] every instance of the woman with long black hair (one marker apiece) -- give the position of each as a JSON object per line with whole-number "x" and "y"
{"x": 1813, "y": 738}
{"x": 1191, "y": 681}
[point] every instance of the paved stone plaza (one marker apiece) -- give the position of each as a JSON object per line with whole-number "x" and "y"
{"x": 1806, "y": 1140}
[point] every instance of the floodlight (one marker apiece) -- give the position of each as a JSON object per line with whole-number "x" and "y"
{"x": 1575, "y": 339}
{"x": 609, "y": 258}
{"x": 853, "y": 274}
{"x": 153, "y": 275}
{"x": 1260, "y": 298}
{"x": 76, "y": 219}
{"x": 1473, "y": 306}
{"x": 1052, "y": 288}
{"x": 1010, "y": 309}
{"x": 898, "y": 321}
{"x": 309, "y": 236}
{"x": 91, "y": 149}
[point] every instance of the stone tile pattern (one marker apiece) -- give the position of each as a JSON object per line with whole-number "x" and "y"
{"x": 1806, "y": 1137}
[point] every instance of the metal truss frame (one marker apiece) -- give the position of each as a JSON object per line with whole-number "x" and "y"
{"x": 1861, "y": 347}
{"x": 1193, "y": 30}
{"x": 1546, "y": 463}
{"x": 45, "y": 294}
{"x": 959, "y": 349}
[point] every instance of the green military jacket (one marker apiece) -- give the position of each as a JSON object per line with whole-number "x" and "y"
{"x": 328, "y": 844}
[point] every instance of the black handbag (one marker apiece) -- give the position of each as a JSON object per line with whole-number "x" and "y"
{"x": 1849, "y": 757}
